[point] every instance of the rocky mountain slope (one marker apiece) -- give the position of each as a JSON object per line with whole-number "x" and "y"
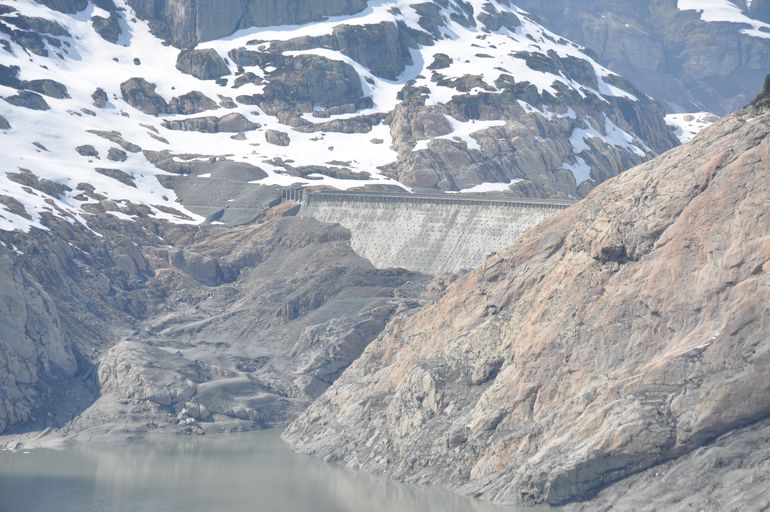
{"x": 160, "y": 327}
{"x": 627, "y": 331}
{"x": 691, "y": 55}
{"x": 437, "y": 95}
{"x": 122, "y": 305}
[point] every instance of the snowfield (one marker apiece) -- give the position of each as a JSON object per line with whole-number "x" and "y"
{"x": 44, "y": 142}
{"x": 687, "y": 126}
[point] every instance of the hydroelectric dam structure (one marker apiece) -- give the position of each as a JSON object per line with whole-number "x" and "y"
{"x": 429, "y": 233}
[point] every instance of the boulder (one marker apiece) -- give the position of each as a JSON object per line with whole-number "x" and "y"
{"x": 116, "y": 155}
{"x": 87, "y": 150}
{"x": 99, "y": 98}
{"x": 28, "y": 99}
{"x": 277, "y": 138}
{"x": 108, "y": 28}
{"x": 48, "y": 87}
{"x": 65, "y": 6}
{"x": 9, "y": 76}
{"x": 203, "y": 64}
{"x": 117, "y": 138}
{"x": 193, "y": 102}
{"x": 140, "y": 94}
{"x": 184, "y": 25}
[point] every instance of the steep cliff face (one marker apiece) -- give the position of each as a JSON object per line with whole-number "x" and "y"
{"x": 626, "y": 331}
{"x": 32, "y": 346}
{"x": 186, "y": 23}
{"x": 689, "y": 55}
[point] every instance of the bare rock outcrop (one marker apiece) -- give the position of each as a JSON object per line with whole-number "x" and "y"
{"x": 203, "y": 64}
{"x": 182, "y": 329}
{"x": 229, "y": 123}
{"x": 193, "y": 102}
{"x": 277, "y": 138}
{"x": 185, "y": 26}
{"x": 109, "y": 27}
{"x": 32, "y": 347}
{"x": 626, "y": 331}
{"x": 28, "y": 99}
{"x": 662, "y": 49}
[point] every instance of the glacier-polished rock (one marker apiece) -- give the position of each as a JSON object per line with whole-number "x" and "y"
{"x": 623, "y": 332}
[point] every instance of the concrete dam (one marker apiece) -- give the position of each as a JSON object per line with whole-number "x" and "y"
{"x": 425, "y": 233}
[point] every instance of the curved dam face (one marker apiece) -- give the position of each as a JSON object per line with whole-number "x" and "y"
{"x": 426, "y": 233}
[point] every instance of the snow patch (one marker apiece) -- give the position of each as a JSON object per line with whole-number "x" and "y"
{"x": 687, "y": 126}
{"x": 488, "y": 187}
{"x": 580, "y": 169}
{"x": 725, "y": 11}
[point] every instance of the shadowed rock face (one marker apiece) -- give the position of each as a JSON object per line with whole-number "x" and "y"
{"x": 31, "y": 343}
{"x": 625, "y": 331}
{"x": 185, "y": 26}
{"x": 760, "y": 9}
{"x": 67, "y": 6}
{"x": 178, "y": 329}
{"x": 685, "y": 63}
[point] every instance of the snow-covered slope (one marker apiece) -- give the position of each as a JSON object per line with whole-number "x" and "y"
{"x": 687, "y": 126}
{"x": 442, "y": 95}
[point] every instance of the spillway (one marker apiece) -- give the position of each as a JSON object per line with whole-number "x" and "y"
{"x": 426, "y": 233}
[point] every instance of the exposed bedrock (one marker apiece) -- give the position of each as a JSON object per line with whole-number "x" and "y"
{"x": 66, "y": 6}
{"x": 302, "y": 82}
{"x": 109, "y": 28}
{"x": 140, "y": 94}
{"x": 626, "y": 331}
{"x": 672, "y": 55}
{"x": 527, "y": 148}
{"x": 382, "y": 48}
{"x": 185, "y": 26}
{"x": 182, "y": 328}
{"x": 32, "y": 345}
{"x": 28, "y": 99}
{"x": 229, "y": 123}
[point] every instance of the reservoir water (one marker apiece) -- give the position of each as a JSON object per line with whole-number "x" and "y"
{"x": 251, "y": 472}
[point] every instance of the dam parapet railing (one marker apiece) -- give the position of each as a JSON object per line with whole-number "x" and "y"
{"x": 306, "y": 197}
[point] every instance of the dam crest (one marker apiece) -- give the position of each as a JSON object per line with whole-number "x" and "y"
{"x": 429, "y": 233}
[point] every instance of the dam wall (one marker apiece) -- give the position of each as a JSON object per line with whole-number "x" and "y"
{"x": 426, "y": 233}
